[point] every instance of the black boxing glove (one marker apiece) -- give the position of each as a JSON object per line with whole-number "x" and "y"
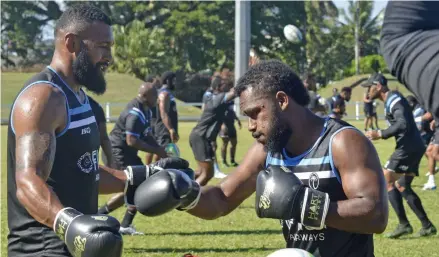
{"x": 281, "y": 195}
{"x": 137, "y": 174}
{"x": 88, "y": 235}
{"x": 167, "y": 190}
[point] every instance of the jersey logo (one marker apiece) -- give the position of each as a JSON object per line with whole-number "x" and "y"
{"x": 86, "y": 130}
{"x": 88, "y": 162}
{"x": 314, "y": 181}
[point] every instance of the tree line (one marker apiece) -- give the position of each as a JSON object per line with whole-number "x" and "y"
{"x": 154, "y": 36}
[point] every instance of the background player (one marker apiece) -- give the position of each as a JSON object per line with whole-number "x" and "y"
{"x": 228, "y": 131}
{"x": 423, "y": 119}
{"x": 127, "y": 138}
{"x": 403, "y": 165}
{"x": 369, "y": 113}
{"x": 166, "y": 126}
{"x": 314, "y": 105}
{"x": 207, "y": 129}
{"x": 155, "y": 80}
{"x": 339, "y": 109}
{"x": 291, "y": 139}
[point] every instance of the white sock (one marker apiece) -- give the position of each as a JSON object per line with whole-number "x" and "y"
{"x": 430, "y": 179}
{"x": 216, "y": 167}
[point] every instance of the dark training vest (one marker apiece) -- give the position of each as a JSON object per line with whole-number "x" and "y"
{"x": 74, "y": 176}
{"x": 316, "y": 169}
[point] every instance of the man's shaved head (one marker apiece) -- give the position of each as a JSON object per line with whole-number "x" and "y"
{"x": 78, "y": 17}
{"x": 148, "y": 94}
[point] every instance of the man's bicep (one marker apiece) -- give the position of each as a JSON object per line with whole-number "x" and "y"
{"x": 164, "y": 102}
{"x": 37, "y": 115}
{"x": 360, "y": 172}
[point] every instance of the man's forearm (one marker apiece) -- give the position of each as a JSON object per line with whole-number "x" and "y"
{"x": 106, "y": 148}
{"x": 111, "y": 180}
{"x": 167, "y": 122}
{"x": 37, "y": 198}
{"x": 211, "y": 205}
{"x": 145, "y": 147}
{"x": 358, "y": 215}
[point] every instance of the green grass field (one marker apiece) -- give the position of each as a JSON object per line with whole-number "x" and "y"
{"x": 121, "y": 89}
{"x": 241, "y": 233}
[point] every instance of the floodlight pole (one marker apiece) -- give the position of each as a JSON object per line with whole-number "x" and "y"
{"x": 242, "y": 42}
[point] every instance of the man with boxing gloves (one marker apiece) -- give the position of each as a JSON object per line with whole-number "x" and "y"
{"x": 330, "y": 202}
{"x": 53, "y": 140}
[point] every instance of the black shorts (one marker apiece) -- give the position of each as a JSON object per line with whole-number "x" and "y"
{"x": 368, "y": 110}
{"x": 201, "y": 147}
{"x": 122, "y": 160}
{"x": 163, "y": 139}
{"x": 427, "y": 138}
{"x": 403, "y": 162}
{"x": 228, "y": 131}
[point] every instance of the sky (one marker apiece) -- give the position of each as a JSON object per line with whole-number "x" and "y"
{"x": 377, "y": 7}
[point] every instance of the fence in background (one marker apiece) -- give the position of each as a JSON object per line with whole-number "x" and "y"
{"x": 354, "y": 111}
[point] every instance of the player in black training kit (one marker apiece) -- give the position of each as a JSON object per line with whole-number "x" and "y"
{"x": 409, "y": 43}
{"x": 330, "y": 202}
{"x": 403, "y": 165}
{"x": 228, "y": 132}
{"x": 155, "y": 80}
{"x": 423, "y": 119}
{"x": 166, "y": 126}
{"x": 54, "y": 177}
{"x": 132, "y": 133}
{"x": 207, "y": 129}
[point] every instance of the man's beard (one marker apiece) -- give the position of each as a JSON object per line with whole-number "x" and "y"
{"x": 278, "y": 135}
{"x": 89, "y": 75}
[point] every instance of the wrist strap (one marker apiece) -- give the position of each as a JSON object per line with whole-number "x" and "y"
{"x": 63, "y": 219}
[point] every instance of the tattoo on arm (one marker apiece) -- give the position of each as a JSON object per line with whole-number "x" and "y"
{"x": 36, "y": 150}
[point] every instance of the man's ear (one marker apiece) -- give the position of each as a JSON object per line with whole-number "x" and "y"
{"x": 72, "y": 43}
{"x": 282, "y": 100}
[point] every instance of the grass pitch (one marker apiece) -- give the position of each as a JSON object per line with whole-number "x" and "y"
{"x": 240, "y": 233}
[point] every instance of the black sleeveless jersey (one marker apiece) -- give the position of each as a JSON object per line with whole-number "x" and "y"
{"x": 315, "y": 168}
{"x": 134, "y": 120}
{"x": 160, "y": 128}
{"x": 408, "y": 139}
{"x": 74, "y": 176}
{"x": 212, "y": 117}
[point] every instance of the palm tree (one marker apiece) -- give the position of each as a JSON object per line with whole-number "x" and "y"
{"x": 365, "y": 28}
{"x": 319, "y": 17}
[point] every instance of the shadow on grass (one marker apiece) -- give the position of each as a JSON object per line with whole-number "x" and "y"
{"x": 197, "y": 250}
{"x": 220, "y": 232}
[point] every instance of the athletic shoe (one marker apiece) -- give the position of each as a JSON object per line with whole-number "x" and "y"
{"x": 225, "y": 164}
{"x": 429, "y": 186}
{"x": 427, "y": 231}
{"x": 234, "y": 164}
{"x": 130, "y": 231}
{"x": 400, "y": 231}
{"x": 219, "y": 174}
